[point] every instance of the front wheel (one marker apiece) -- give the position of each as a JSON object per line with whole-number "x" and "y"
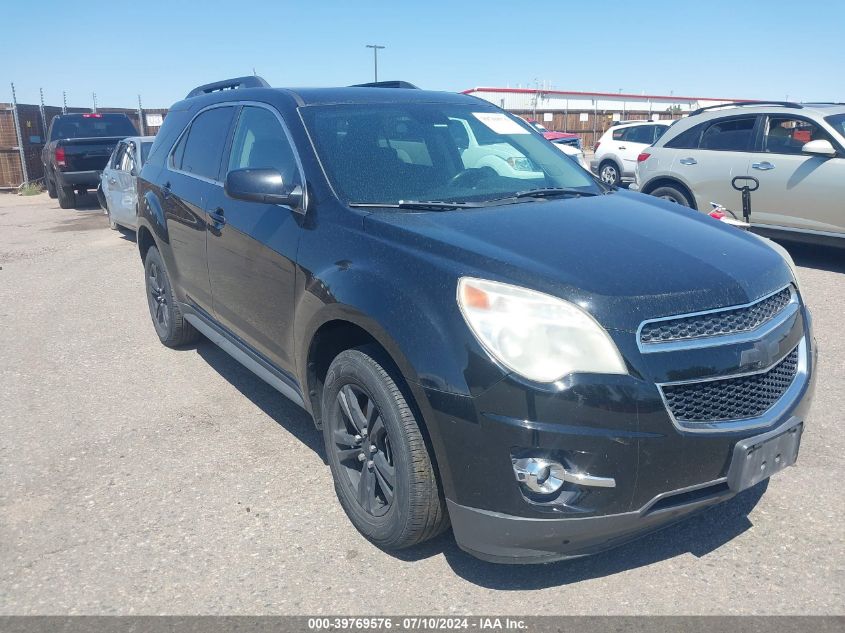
{"x": 383, "y": 474}
{"x": 672, "y": 194}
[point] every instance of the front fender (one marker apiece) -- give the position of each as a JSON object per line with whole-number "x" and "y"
{"x": 416, "y": 319}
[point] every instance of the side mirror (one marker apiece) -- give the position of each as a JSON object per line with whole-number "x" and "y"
{"x": 820, "y": 147}
{"x": 263, "y": 185}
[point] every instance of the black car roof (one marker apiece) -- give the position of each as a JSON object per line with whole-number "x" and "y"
{"x": 327, "y": 96}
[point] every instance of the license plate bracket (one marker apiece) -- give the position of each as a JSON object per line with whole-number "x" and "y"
{"x": 759, "y": 457}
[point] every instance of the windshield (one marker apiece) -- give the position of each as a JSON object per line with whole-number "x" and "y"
{"x": 92, "y": 126}
{"x": 837, "y": 121}
{"x": 391, "y": 153}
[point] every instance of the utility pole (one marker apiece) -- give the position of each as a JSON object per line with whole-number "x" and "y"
{"x": 376, "y": 49}
{"x": 19, "y": 136}
{"x": 64, "y": 102}
{"x": 141, "y": 117}
{"x": 43, "y": 117}
{"x": 94, "y": 97}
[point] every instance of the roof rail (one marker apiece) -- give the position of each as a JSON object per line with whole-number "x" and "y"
{"x": 740, "y": 104}
{"x": 250, "y": 81}
{"x": 386, "y": 84}
{"x": 821, "y": 103}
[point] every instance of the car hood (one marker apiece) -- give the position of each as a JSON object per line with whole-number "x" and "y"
{"x": 624, "y": 257}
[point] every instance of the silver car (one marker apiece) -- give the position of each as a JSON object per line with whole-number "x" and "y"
{"x": 795, "y": 152}
{"x": 116, "y": 192}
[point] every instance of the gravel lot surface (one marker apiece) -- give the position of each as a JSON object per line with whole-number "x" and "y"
{"x": 135, "y": 479}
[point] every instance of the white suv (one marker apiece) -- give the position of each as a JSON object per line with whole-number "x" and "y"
{"x": 795, "y": 151}
{"x": 615, "y": 160}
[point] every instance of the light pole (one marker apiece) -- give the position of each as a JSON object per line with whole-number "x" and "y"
{"x": 375, "y": 48}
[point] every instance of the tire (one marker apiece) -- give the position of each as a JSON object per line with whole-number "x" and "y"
{"x": 672, "y": 194}
{"x": 51, "y": 187}
{"x": 412, "y": 511}
{"x": 609, "y": 173}
{"x": 67, "y": 197}
{"x": 169, "y": 324}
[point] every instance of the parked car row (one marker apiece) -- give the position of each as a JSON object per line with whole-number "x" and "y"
{"x": 487, "y": 335}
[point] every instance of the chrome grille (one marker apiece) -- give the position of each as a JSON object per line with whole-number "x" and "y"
{"x": 725, "y": 399}
{"x": 729, "y": 321}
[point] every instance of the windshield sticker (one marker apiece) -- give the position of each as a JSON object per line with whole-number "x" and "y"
{"x": 500, "y": 123}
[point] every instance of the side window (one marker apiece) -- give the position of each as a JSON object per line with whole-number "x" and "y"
{"x": 731, "y": 135}
{"x": 260, "y": 142}
{"x": 688, "y": 139}
{"x": 203, "y": 143}
{"x": 119, "y": 152}
{"x": 786, "y": 135}
{"x": 640, "y": 134}
{"x": 619, "y": 135}
{"x": 127, "y": 162}
{"x": 659, "y": 130}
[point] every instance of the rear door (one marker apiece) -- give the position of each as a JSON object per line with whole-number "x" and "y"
{"x": 124, "y": 198}
{"x": 252, "y": 252}
{"x": 108, "y": 181}
{"x": 797, "y": 191}
{"x": 723, "y": 152}
{"x": 636, "y": 139}
{"x": 192, "y": 178}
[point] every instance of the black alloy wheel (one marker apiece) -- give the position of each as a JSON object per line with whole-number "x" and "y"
{"x": 362, "y": 448}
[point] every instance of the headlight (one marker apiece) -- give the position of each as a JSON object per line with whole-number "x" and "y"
{"x": 521, "y": 163}
{"x": 538, "y": 336}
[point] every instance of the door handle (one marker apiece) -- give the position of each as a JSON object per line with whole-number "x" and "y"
{"x": 112, "y": 181}
{"x": 622, "y": 147}
{"x": 218, "y": 220}
{"x": 688, "y": 161}
{"x": 764, "y": 166}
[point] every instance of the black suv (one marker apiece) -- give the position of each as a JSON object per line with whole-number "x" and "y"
{"x": 486, "y": 334}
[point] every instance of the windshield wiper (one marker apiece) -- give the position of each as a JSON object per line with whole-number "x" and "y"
{"x": 551, "y": 192}
{"x": 431, "y": 205}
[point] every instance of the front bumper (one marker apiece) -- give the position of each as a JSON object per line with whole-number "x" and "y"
{"x": 602, "y": 426}
{"x": 87, "y": 179}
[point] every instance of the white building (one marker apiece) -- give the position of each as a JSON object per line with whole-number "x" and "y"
{"x": 590, "y": 113}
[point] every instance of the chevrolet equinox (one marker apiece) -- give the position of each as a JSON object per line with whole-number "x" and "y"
{"x": 487, "y": 335}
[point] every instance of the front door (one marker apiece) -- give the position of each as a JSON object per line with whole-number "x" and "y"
{"x": 252, "y": 251}
{"x": 797, "y": 191}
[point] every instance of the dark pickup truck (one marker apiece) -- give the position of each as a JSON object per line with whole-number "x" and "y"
{"x": 78, "y": 150}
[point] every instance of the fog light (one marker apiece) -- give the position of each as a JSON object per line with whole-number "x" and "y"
{"x": 539, "y": 475}
{"x": 546, "y": 476}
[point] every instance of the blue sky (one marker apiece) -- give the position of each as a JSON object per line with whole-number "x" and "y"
{"x": 739, "y": 49}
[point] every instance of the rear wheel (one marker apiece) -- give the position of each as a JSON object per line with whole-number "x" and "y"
{"x": 609, "y": 173}
{"x": 67, "y": 197}
{"x": 383, "y": 474}
{"x": 51, "y": 187}
{"x": 672, "y": 194}
{"x": 170, "y": 325}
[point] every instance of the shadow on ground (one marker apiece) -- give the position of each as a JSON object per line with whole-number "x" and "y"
{"x": 294, "y": 419}
{"x": 698, "y": 535}
{"x": 818, "y": 257}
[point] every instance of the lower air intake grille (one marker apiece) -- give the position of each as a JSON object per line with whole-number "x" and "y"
{"x": 731, "y": 398}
